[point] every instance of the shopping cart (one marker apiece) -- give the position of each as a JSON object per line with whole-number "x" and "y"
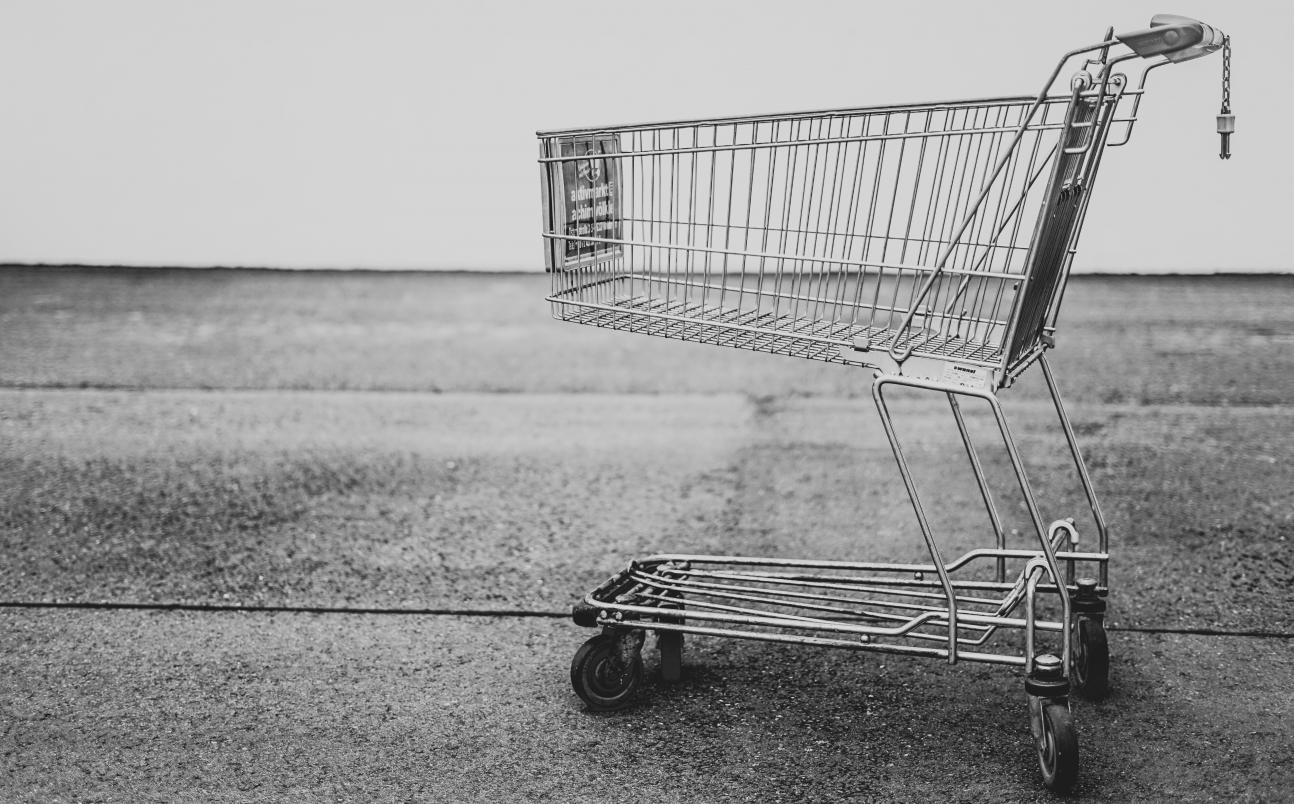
{"x": 930, "y": 243}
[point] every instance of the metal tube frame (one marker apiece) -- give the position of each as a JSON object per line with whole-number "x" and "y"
{"x": 1048, "y": 551}
{"x": 742, "y": 599}
{"x": 1085, "y": 479}
{"x": 852, "y": 610}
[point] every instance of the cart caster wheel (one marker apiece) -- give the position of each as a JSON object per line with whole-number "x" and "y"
{"x": 1057, "y": 745}
{"x": 671, "y": 655}
{"x": 1091, "y": 651}
{"x": 602, "y": 676}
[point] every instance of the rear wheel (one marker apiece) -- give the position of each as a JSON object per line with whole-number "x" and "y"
{"x": 1091, "y": 658}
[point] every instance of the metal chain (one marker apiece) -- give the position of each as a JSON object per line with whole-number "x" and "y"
{"x": 1226, "y": 120}
{"x": 1226, "y": 75}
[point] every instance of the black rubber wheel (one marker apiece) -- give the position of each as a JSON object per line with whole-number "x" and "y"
{"x": 1058, "y": 748}
{"x": 1091, "y": 657}
{"x": 601, "y": 677}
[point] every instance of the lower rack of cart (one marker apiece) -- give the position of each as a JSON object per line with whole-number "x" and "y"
{"x": 951, "y": 611}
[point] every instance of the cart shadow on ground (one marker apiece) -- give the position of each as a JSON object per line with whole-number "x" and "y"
{"x": 821, "y": 724}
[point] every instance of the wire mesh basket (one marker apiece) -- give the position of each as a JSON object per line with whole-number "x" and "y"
{"x": 939, "y": 230}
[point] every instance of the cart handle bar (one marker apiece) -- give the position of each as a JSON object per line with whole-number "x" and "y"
{"x": 1173, "y": 37}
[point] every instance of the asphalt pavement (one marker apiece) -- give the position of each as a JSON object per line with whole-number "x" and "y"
{"x": 268, "y": 539}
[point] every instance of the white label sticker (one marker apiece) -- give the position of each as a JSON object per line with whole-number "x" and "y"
{"x": 965, "y": 376}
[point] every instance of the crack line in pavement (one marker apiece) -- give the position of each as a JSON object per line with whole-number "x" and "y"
{"x": 450, "y": 612}
{"x": 1134, "y": 629}
{"x": 211, "y": 607}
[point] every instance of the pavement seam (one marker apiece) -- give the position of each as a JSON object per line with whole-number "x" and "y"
{"x": 255, "y": 609}
{"x": 514, "y": 613}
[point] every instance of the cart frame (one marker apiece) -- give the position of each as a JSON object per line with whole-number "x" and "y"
{"x": 644, "y": 232}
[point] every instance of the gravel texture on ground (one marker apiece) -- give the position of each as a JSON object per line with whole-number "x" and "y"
{"x": 437, "y": 442}
{"x": 180, "y": 706}
{"x": 516, "y": 501}
{"x": 1140, "y": 340}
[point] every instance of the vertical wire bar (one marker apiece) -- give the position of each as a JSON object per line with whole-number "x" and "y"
{"x": 1023, "y": 258}
{"x": 953, "y": 207}
{"x": 1019, "y": 211}
{"x": 856, "y": 205}
{"x": 760, "y": 299}
{"x": 1037, "y": 205}
{"x": 636, "y": 255}
{"x": 815, "y": 266}
{"x": 933, "y": 207}
{"x": 675, "y": 258}
{"x": 982, "y": 482}
{"x": 964, "y": 169}
{"x": 869, "y": 231}
{"x": 980, "y": 330}
{"x": 955, "y": 141}
{"x": 912, "y": 211}
{"x": 882, "y": 272}
{"x": 802, "y": 279}
{"x": 653, "y": 168}
{"x": 827, "y": 238}
{"x": 750, "y": 200}
{"x": 1103, "y": 533}
{"x": 798, "y": 225}
{"x": 978, "y": 243}
{"x": 898, "y": 273}
{"x": 786, "y": 215}
{"x": 691, "y": 221}
{"x": 547, "y": 171}
{"x": 835, "y": 245}
{"x": 1026, "y": 490}
{"x": 834, "y": 273}
{"x": 800, "y": 266}
{"x": 851, "y": 189}
{"x": 894, "y": 192}
{"x": 709, "y": 213}
{"x": 916, "y": 188}
{"x": 878, "y": 396}
{"x": 727, "y": 216}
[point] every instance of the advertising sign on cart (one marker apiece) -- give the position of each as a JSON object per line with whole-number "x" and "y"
{"x": 585, "y": 202}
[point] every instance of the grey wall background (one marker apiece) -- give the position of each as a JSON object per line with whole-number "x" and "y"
{"x": 400, "y": 134}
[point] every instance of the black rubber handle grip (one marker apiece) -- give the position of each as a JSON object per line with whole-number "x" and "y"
{"x": 1174, "y": 37}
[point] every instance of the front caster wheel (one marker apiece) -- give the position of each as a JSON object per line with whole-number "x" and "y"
{"x": 606, "y": 672}
{"x": 1091, "y": 652}
{"x": 1057, "y": 745}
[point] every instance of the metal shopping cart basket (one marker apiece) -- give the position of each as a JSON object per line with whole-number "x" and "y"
{"x": 930, "y": 243}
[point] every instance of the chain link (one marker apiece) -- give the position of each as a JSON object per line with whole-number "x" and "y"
{"x": 1226, "y": 75}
